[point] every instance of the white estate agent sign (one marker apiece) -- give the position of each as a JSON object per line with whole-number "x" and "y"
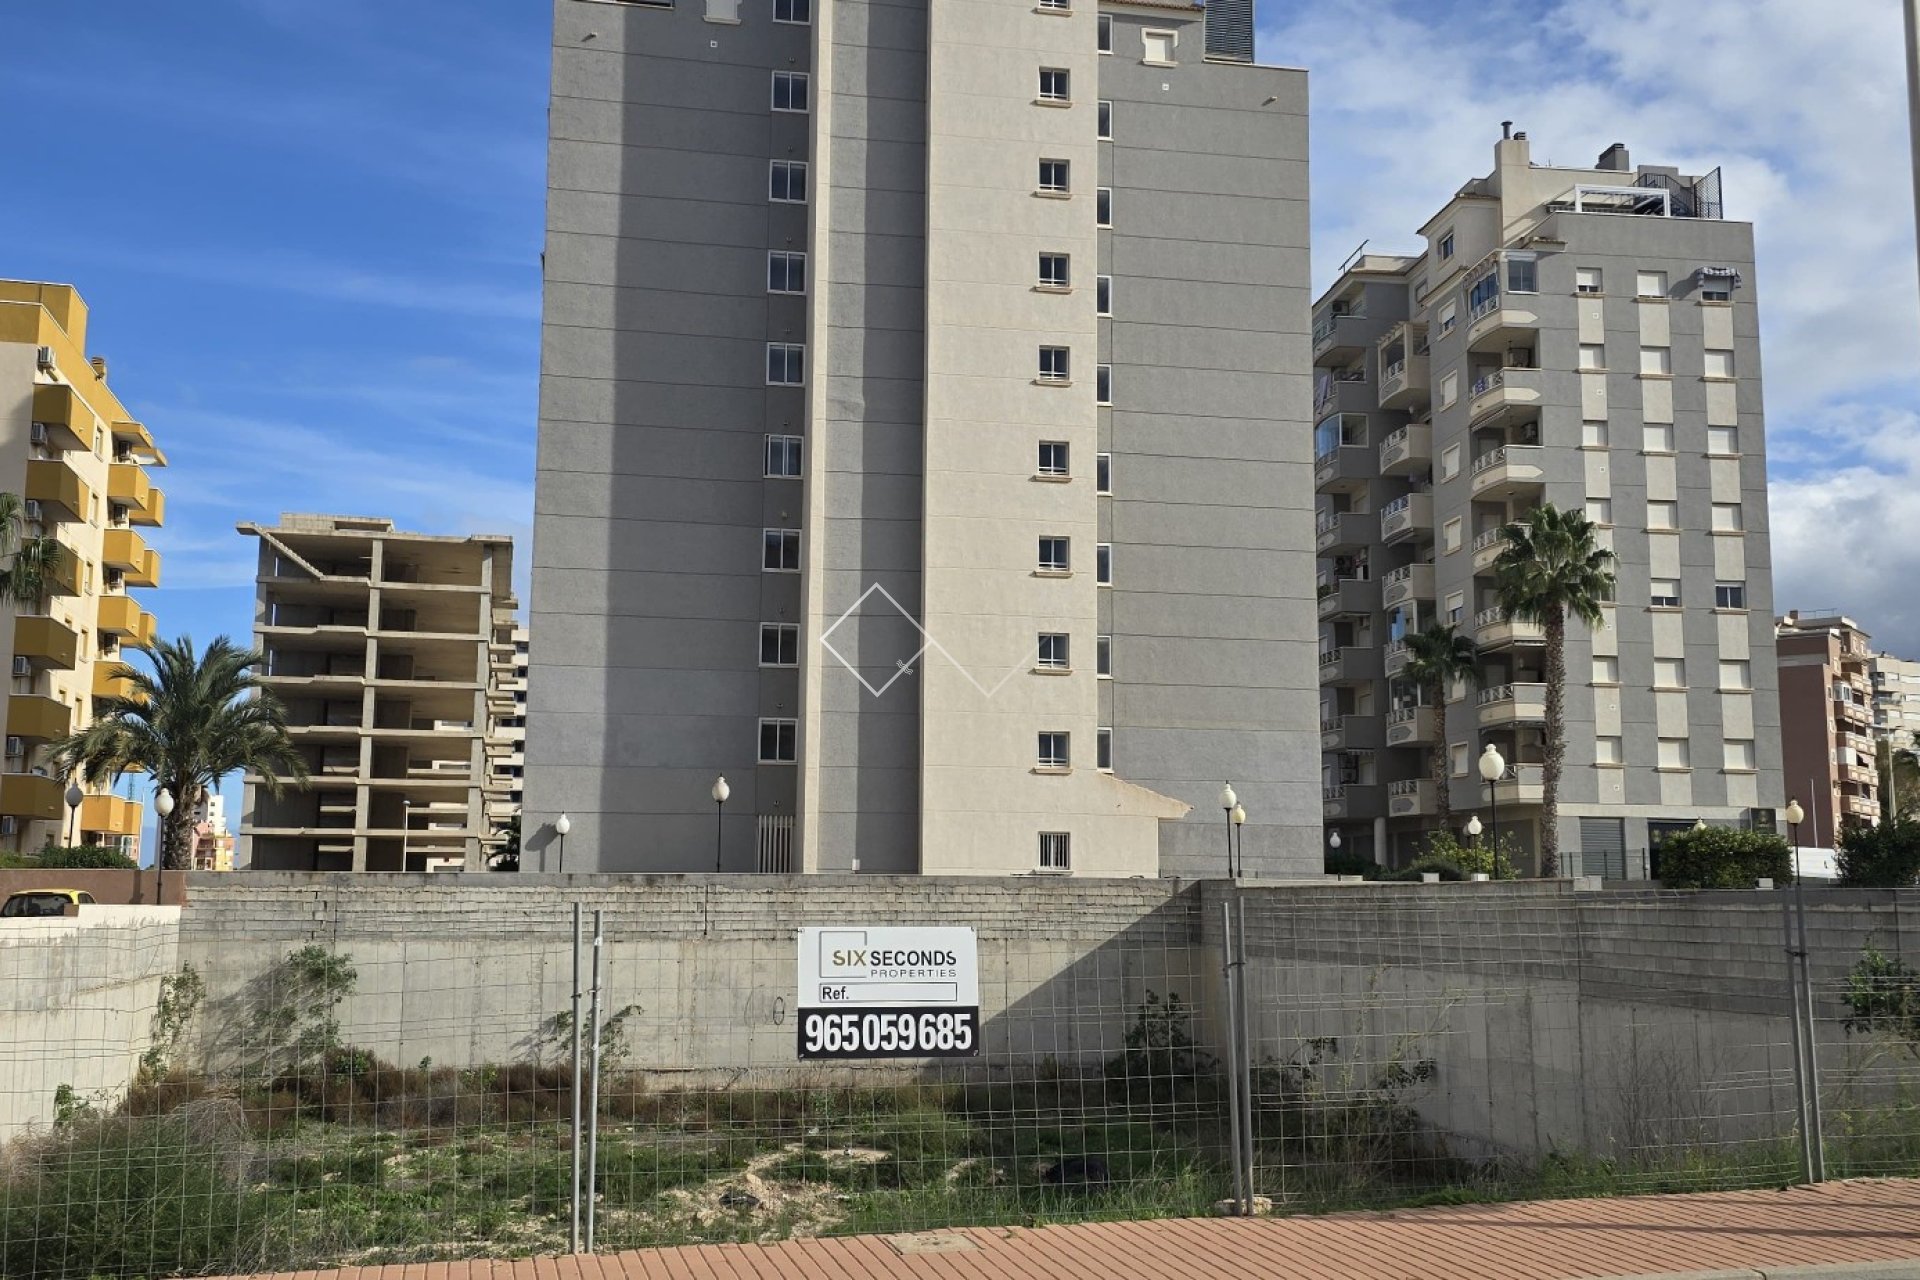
{"x": 889, "y": 993}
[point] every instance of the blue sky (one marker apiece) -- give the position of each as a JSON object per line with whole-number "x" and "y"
{"x": 310, "y": 235}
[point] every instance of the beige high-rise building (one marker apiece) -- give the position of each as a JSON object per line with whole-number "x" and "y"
{"x": 80, "y": 461}
{"x": 380, "y": 643}
{"x": 1896, "y": 700}
{"x": 506, "y": 730}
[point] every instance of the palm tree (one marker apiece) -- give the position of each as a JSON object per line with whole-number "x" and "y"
{"x": 1552, "y": 568}
{"x": 32, "y": 562}
{"x": 1899, "y": 779}
{"x": 196, "y": 718}
{"x": 1436, "y": 657}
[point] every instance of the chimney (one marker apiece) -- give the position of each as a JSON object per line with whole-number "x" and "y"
{"x": 1614, "y": 159}
{"x": 99, "y": 364}
{"x": 1506, "y": 129}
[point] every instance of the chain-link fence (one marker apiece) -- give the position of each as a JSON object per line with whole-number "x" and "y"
{"x": 300, "y": 1072}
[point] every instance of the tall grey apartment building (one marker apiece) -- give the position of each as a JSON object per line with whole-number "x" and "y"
{"x": 924, "y": 441}
{"x": 1589, "y": 338}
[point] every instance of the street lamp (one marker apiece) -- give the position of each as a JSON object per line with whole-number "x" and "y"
{"x": 720, "y": 793}
{"x": 1240, "y": 832}
{"x": 74, "y": 796}
{"x": 1227, "y": 801}
{"x": 162, "y": 805}
{"x": 1333, "y": 841}
{"x": 1794, "y": 816}
{"x": 562, "y": 825}
{"x": 1493, "y": 767}
{"x": 1474, "y": 828}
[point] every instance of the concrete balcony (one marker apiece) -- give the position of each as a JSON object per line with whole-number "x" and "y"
{"x": 1487, "y": 548}
{"x": 1408, "y": 451}
{"x": 1509, "y": 471}
{"x": 1864, "y": 775}
{"x": 47, "y": 642}
{"x": 1492, "y": 629}
{"x": 63, "y": 577}
{"x": 30, "y": 796}
{"x": 1346, "y": 532}
{"x": 1394, "y": 658}
{"x": 127, "y": 551}
{"x": 1524, "y": 784}
{"x": 1405, "y": 367}
{"x": 30, "y": 715}
{"x": 1849, "y": 712}
{"x": 53, "y": 408}
{"x": 1350, "y": 733}
{"x": 1502, "y": 322}
{"x": 121, "y": 616}
{"x": 1342, "y": 395}
{"x": 1410, "y": 727}
{"x": 1349, "y": 596}
{"x": 1407, "y": 516}
{"x": 1353, "y": 800}
{"x": 1513, "y": 704}
{"x": 1408, "y": 583}
{"x": 1859, "y": 807}
{"x": 110, "y": 815}
{"x": 61, "y": 493}
{"x": 1351, "y": 665}
{"x": 110, "y": 680}
{"x": 1503, "y": 394}
{"x": 1413, "y": 798}
{"x": 1349, "y": 466}
{"x": 129, "y": 486}
{"x": 1337, "y": 334}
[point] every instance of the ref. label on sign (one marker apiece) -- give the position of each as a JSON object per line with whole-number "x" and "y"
{"x": 889, "y": 993}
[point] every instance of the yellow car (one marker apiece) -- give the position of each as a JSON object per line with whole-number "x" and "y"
{"x": 43, "y": 902}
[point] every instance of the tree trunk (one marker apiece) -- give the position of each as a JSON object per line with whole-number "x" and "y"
{"x": 1438, "y": 761}
{"x": 173, "y": 831}
{"x": 1556, "y": 735}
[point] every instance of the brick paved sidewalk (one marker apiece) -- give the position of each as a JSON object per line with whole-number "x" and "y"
{"x": 1742, "y": 1235}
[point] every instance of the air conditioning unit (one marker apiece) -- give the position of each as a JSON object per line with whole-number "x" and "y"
{"x": 15, "y": 747}
{"x": 9, "y": 825}
{"x": 45, "y": 357}
{"x": 33, "y": 508}
{"x": 37, "y": 433}
{"x": 22, "y": 665}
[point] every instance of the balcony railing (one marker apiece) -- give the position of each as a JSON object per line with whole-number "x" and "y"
{"x": 1490, "y": 459}
{"x": 1489, "y": 381}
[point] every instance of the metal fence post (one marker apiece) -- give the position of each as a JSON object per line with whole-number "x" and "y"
{"x": 1245, "y": 1038}
{"x": 1799, "y": 1041}
{"x": 1233, "y": 1055}
{"x": 1817, "y": 1138}
{"x": 573, "y": 1223}
{"x": 593, "y": 1083}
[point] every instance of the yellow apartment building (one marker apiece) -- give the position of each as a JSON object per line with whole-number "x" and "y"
{"x": 82, "y": 463}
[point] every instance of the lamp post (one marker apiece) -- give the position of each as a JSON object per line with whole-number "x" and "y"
{"x": 720, "y": 793}
{"x": 1227, "y": 801}
{"x": 1240, "y": 835}
{"x": 1794, "y": 816}
{"x": 562, "y": 825}
{"x": 1474, "y": 829}
{"x": 162, "y": 805}
{"x": 74, "y": 796}
{"x": 1493, "y": 766}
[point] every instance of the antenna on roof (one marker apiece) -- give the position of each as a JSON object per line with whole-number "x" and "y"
{"x": 1355, "y": 254}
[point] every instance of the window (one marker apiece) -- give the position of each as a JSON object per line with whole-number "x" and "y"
{"x": 1729, "y": 595}
{"x": 1053, "y": 458}
{"x": 1523, "y": 274}
{"x": 1726, "y": 517}
{"x": 1669, "y": 673}
{"x": 1600, "y": 510}
{"x": 1657, "y": 361}
{"x": 1723, "y": 440}
{"x": 786, "y": 271}
{"x": 1450, "y": 462}
{"x": 1587, "y": 279}
{"x": 1673, "y": 753}
{"x": 1053, "y": 85}
{"x": 1053, "y": 364}
{"x": 1593, "y": 435}
{"x": 723, "y": 10}
{"x": 783, "y": 457}
{"x": 790, "y": 91}
{"x": 1740, "y": 755}
{"x": 1449, "y": 387}
{"x": 1457, "y": 759}
{"x": 1103, "y": 473}
{"x": 1450, "y": 534}
{"x": 1103, "y": 207}
{"x": 1056, "y": 849}
{"x": 1719, "y": 363}
{"x": 1736, "y": 674}
{"x": 793, "y": 11}
{"x": 1456, "y": 606}
{"x": 1103, "y": 295}
{"x": 786, "y": 364}
{"x": 1053, "y": 751}
{"x": 782, "y": 550}
{"x": 1103, "y": 564}
{"x": 1055, "y": 270}
{"x": 1716, "y": 291}
{"x": 1105, "y": 131}
{"x": 1663, "y": 515}
{"x": 1606, "y": 750}
{"x": 1103, "y": 657}
{"x": 779, "y": 644}
{"x": 1606, "y": 669}
{"x": 1157, "y": 47}
{"x": 1593, "y": 356}
{"x": 1446, "y": 245}
{"x": 787, "y": 181}
{"x": 1062, "y": 6}
{"x": 1106, "y": 33}
{"x": 1103, "y": 384}
{"x": 1053, "y": 176}
{"x": 1053, "y": 651}
{"x": 1664, "y": 593}
{"x": 1650, "y": 284}
{"x": 1657, "y": 437}
{"x": 1449, "y": 312}
{"x": 1103, "y": 750}
{"x": 1054, "y": 555}
{"x": 778, "y": 741}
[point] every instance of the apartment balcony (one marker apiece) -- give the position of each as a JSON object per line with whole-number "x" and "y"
{"x": 1353, "y": 664}
{"x": 1407, "y": 516}
{"x": 61, "y": 493}
{"x": 63, "y": 577}
{"x": 1349, "y": 466}
{"x": 1404, "y": 366}
{"x": 1488, "y": 546}
{"x": 129, "y": 486}
{"x": 1342, "y": 394}
{"x": 1855, "y": 742}
{"x": 1859, "y": 807}
{"x": 1349, "y": 596}
{"x": 1523, "y": 784}
{"x": 1492, "y": 629}
{"x": 1350, "y": 733}
{"x": 31, "y": 715}
{"x": 1502, "y": 394}
{"x": 1337, "y": 333}
{"x": 32, "y": 797}
{"x": 1345, "y": 532}
{"x": 46, "y": 642}
{"x": 110, "y": 680}
{"x": 53, "y": 408}
{"x": 1406, "y": 584}
{"x": 111, "y": 815}
{"x": 1394, "y": 658}
{"x": 1513, "y": 704}
{"x": 121, "y": 616}
{"x": 1408, "y": 451}
{"x": 1410, "y": 727}
{"x": 1852, "y": 712}
{"x": 1862, "y": 774}
{"x": 1412, "y": 798}
{"x": 1503, "y": 322}
{"x": 1509, "y": 471}
{"x": 1353, "y": 800}
{"x": 127, "y": 551}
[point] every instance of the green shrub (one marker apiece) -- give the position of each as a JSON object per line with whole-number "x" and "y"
{"x": 1723, "y": 858}
{"x": 1882, "y": 857}
{"x": 1476, "y": 857}
{"x": 84, "y": 857}
{"x": 1446, "y": 868}
{"x": 1349, "y": 862}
